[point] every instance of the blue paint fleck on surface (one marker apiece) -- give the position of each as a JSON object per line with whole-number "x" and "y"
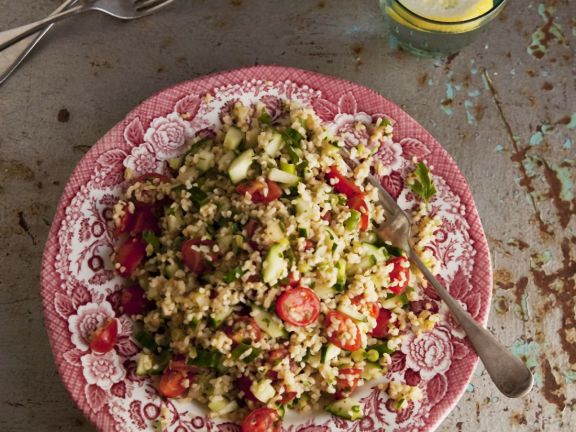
{"x": 567, "y": 144}
{"x": 572, "y": 124}
{"x": 474, "y": 71}
{"x": 569, "y": 376}
{"x": 527, "y": 351}
{"x": 470, "y": 388}
{"x": 563, "y": 175}
{"x": 544, "y": 73}
{"x": 536, "y": 138}
{"x": 449, "y": 91}
{"x": 474, "y": 93}
{"x": 499, "y": 148}
{"x": 485, "y": 82}
{"x": 392, "y": 42}
{"x": 430, "y": 82}
{"x": 468, "y": 105}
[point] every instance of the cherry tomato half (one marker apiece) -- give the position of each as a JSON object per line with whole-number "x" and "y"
{"x": 343, "y": 184}
{"x": 256, "y": 190}
{"x": 125, "y": 222}
{"x": 382, "y": 321}
{"x": 194, "y": 259}
{"x": 244, "y": 383}
{"x": 400, "y": 274}
{"x": 347, "y": 381}
{"x": 133, "y": 300}
{"x": 342, "y": 331}
{"x": 298, "y": 306}
{"x": 129, "y": 255}
{"x": 104, "y": 337}
{"x": 358, "y": 203}
{"x": 251, "y": 227}
{"x": 372, "y": 308}
{"x": 262, "y": 420}
{"x": 173, "y": 383}
{"x": 144, "y": 219}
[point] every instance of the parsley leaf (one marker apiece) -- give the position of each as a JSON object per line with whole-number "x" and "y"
{"x": 233, "y": 275}
{"x": 422, "y": 184}
{"x": 151, "y": 238}
{"x": 197, "y": 195}
{"x": 265, "y": 118}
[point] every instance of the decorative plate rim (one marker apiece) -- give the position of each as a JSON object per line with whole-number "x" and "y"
{"x": 79, "y": 177}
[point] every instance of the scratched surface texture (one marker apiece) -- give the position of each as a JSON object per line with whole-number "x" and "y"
{"x": 505, "y": 109}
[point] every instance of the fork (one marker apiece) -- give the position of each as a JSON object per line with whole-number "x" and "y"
{"x": 13, "y": 56}
{"x": 510, "y": 375}
{"x": 122, "y": 9}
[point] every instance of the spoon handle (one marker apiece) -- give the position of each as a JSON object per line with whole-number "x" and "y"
{"x": 507, "y": 371}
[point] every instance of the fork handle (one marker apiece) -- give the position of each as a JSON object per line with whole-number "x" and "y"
{"x": 10, "y": 37}
{"x": 507, "y": 371}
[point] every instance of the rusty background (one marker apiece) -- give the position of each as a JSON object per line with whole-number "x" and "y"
{"x": 504, "y": 108}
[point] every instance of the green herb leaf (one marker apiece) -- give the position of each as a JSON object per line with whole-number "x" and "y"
{"x": 422, "y": 185}
{"x": 197, "y": 195}
{"x": 146, "y": 340}
{"x": 265, "y": 118}
{"x": 233, "y": 275}
{"x": 150, "y": 238}
{"x": 206, "y": 358}
{"x": 292, "y": 137}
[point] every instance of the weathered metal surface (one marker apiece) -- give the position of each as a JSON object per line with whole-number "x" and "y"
{"x": 505, "y": 108}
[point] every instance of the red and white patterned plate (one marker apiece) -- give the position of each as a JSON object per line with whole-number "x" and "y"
{"x": 80, "y": 290}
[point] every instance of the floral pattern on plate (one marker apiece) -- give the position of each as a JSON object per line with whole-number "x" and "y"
{"x": 80, "y": 289}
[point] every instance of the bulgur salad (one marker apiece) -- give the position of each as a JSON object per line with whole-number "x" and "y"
{"x": 258, "y": 282}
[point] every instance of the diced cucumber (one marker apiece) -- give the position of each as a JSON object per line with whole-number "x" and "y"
{"x": 239, "y": 167}
{"x": 217, "y": 318}
{"x": 252, "y": 137}
{"x": 224, "y": 242}
{"x": 275, "y": 265}
{"x": 144, "y": 364}
{"x": 233, "y": 138}
{"x": 371, "y": 371}
{"x": 225, "y": 160}
{"x": 330, "y": 149}
{"x": 274, "y": 231}
{"x": 221, "y": 406}
{"x": 175, "y": 163}
{"x": 174, "y": 223}
{"x": 341, "y": 277}
{"x": 273, "y": 147}
{"x": 324, "y": 291}
{"x": 283, "y": 177}
{"x": 170, "y": 268}
{"x": 268, "y": 323}
{"x": 352, "y": 312}
{"x": 205, "y": 160}
{"x": 378, "y": 253}
{"x": 329, "y": 352}
{"x": 347, "y": 409}
{"x": 263, "y": 390}
{"x": 289, "y": 168}
{"x": 302, "y": 206}
{"x": 353, "y": 220}
{"x": 371, "y": 255}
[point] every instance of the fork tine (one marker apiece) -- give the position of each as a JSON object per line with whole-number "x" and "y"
{"x": 150, "y": 6}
